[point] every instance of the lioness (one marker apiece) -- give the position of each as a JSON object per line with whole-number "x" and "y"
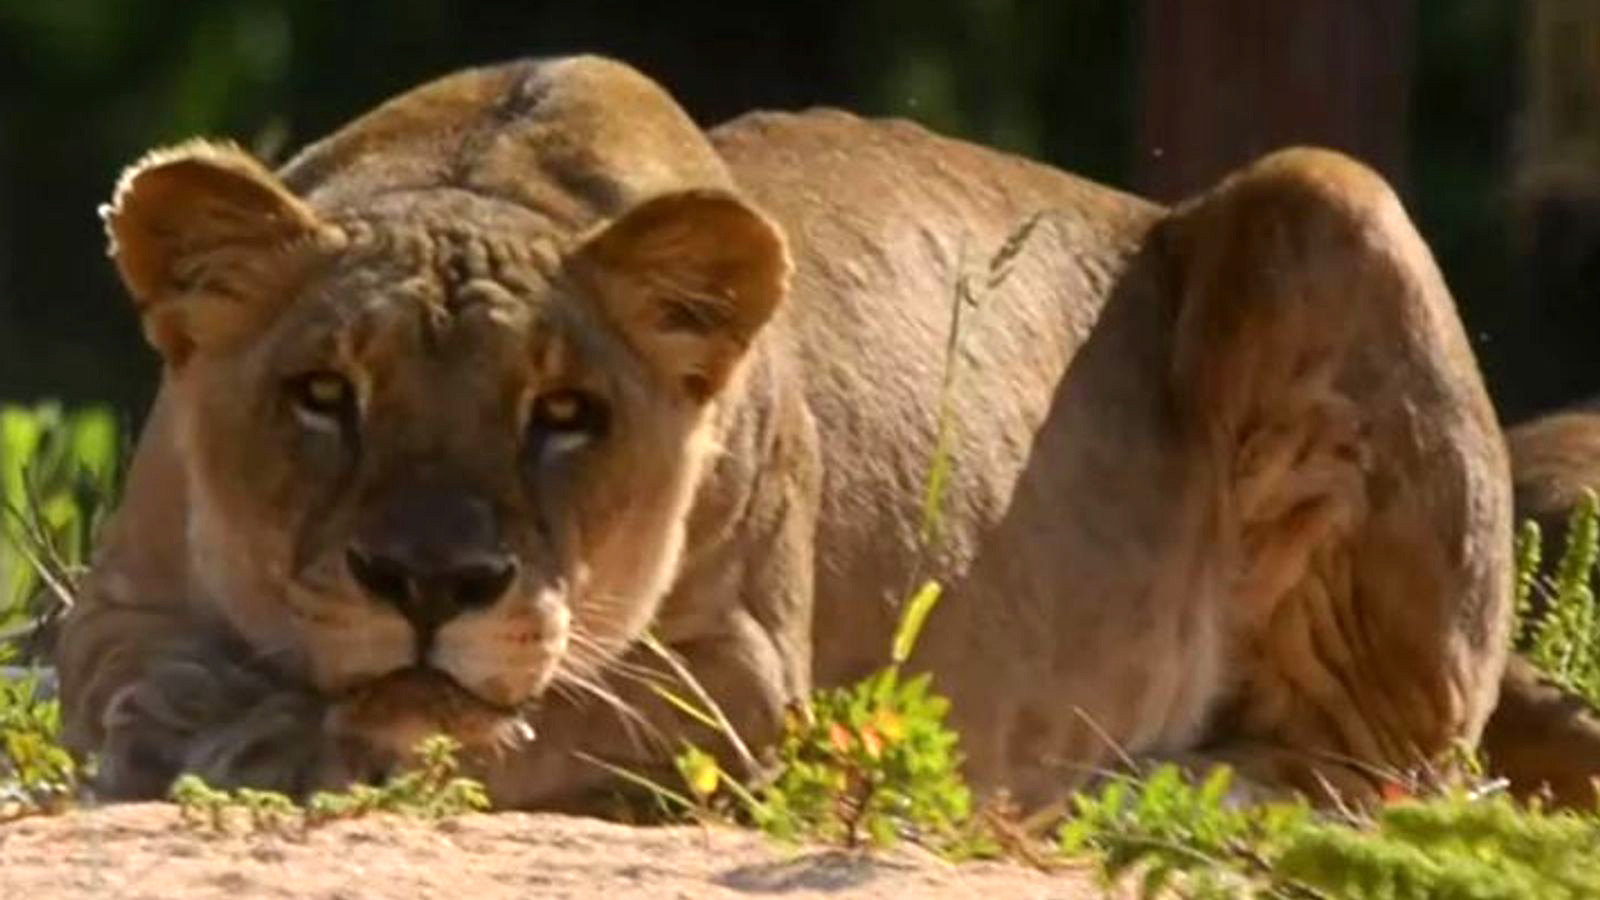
{"x": 469, "y": 397}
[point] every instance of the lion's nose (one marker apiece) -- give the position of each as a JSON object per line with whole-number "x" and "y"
{"x": 430, "y": 592}
{"x": 432, "y": 554}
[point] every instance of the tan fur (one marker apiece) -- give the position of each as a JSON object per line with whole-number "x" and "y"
{"x": 1225, "y": 482}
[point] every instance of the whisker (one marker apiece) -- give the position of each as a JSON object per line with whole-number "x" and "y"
{"x": 570, "y": 693}
{"x": 635, "y": 726}
{"x": 593, "y": 653}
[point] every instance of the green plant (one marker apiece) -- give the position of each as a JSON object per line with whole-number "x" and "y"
{"x": 37, "y": 774}
{"x": 1189, "y": 840}
{"x": 58, "y": 477}
{"x": 430, "y": 789}
{"x": 203, "y": 806}
{"x": 1173, "y": 830}
{"x": 1561, "y": 632}
{"x": 873, "y": 761}
{"x": 1458, "y": 841}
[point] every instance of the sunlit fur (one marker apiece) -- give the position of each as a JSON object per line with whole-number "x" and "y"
{"x": 1223, "y": 482}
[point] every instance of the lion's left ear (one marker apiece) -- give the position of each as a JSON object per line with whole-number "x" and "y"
{"x": 688, "y": 278}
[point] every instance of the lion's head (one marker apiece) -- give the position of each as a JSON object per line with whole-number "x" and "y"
{"x": 439, "y": 440}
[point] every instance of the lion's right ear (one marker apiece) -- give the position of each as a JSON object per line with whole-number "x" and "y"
{"x": 206, "y": 241}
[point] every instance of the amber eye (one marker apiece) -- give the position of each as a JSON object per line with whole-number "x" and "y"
{"x": 565, "y": 420}
{"x": 322, "y": 401}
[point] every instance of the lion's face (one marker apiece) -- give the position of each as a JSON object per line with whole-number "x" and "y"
{"x": 437, "y": 456}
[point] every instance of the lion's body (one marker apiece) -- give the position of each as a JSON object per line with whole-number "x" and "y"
{"x": 1223, "y": 481}
{"x": 1042, "y": 501}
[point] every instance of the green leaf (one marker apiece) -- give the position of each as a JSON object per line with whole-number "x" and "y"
{"x": 684, "y": 706}
{"x": 660, "y": 791}
{"x": 912, "y": 619}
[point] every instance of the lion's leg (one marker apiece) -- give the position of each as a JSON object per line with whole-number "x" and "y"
{"x": 1544, "y": 740}
{"x": 197, "y": 706}
{"x": 1359, "y": 479}
{"x": 148, "y": 688}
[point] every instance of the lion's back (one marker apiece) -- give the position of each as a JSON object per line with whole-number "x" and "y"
{"x": 888, "y": 224}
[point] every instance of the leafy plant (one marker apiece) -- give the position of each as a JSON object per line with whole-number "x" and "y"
{"x": 37, "y": 774}
{"x": 1561, "y": 633}
{"x": 203, "y": 806}
{"x": 1188, "y": 839}
{"x": 430, "y": 789}
{"x": 1173, "y": 830}
{"x": 873, "y": 761}
{"x": 58, "y": 477}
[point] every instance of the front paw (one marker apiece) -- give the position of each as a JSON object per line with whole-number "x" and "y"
{"x": 230, "y": 726}
{"x": 281, "y": 745}
{"x": 384, "y": 722}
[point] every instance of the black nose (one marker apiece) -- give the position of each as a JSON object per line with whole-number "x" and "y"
{"x": 432, "y": 555}
{"x": 430, "y": 594}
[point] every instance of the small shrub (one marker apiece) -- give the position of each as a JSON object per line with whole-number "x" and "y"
{"x": 874, "y": 761}
{"x": 1173, "y": 830}
{"x": 1562, "y": 634}
{"x": 870, "y": 763}
{"x": 431, "y": 789}
{"x": 1188, "y": 839}
{"x": 37, "y": 774}
{"x": 57, "y": 477}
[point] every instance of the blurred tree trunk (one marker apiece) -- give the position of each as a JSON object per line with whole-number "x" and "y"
{"x": 1561, "y": 122}
{"x": 1227, "y": 80}
{"x": 1556, "y": 208}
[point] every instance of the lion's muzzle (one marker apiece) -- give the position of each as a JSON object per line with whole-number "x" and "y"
{"x": 437, "y": 557}
{"x": 432, "y": 554}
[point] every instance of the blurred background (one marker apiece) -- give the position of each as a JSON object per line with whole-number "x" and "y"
{"x": 1485, "y": 114}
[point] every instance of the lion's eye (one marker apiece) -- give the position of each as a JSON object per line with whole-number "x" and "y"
{"x": 565, "y": 420}
{"x": 323, "y": 401}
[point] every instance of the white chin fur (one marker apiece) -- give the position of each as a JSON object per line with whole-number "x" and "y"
{"x": 507, "y": 653}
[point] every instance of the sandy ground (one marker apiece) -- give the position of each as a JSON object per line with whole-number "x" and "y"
{"x": 143, "y": 852}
